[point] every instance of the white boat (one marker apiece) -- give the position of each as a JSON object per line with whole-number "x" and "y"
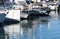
{"x": 14, "y": 14}
{"x": 24, "y": 15}
{"x": 52, "y": 6}
{"x": 44, "y": 4}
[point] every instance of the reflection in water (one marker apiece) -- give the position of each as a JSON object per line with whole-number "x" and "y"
{"x": 12, "y": 31}
{"x": 2, "y": 32}
{"x": 31, "y": 28}
{"x": 54, "y": 14}
{"x": 46, "y": 27}
{"x": 41, "y": 28}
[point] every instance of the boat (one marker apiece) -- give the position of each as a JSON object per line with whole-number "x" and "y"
{"x": 14, "y": 11}
{"x": 34, "y": 9}
{"x": 52, "y": 5}
{"x": 3, "y": 11}
{"x": 2, "y": 16}
{"x": 46, "y": 10}
{"x": 41, "y": 6}
{"x": 26, "y": 14}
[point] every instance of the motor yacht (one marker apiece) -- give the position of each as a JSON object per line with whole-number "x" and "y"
{"x": 14, "y": 11}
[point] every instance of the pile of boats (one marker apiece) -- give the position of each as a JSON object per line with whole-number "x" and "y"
{"x": 23, "y": 9}
{"x": 38, "y": 8}
{"x": 34, "y": 9}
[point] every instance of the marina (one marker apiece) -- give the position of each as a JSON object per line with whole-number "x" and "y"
{"x": 42, "y": 27}
{"x": 29, "y": 19}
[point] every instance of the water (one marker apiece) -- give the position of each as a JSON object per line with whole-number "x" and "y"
{"x": 43, "y": 27}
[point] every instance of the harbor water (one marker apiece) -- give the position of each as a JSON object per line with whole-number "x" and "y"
{"x": 34, "y": 27}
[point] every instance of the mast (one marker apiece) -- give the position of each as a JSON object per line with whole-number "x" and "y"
{"x": 3, "y": 3}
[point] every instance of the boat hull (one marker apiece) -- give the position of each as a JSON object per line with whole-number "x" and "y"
{"x": 14, "y": 14}
{"x": 2, "y": 17}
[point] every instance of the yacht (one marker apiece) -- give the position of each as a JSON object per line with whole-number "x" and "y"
{"x": 14, "y": 11}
